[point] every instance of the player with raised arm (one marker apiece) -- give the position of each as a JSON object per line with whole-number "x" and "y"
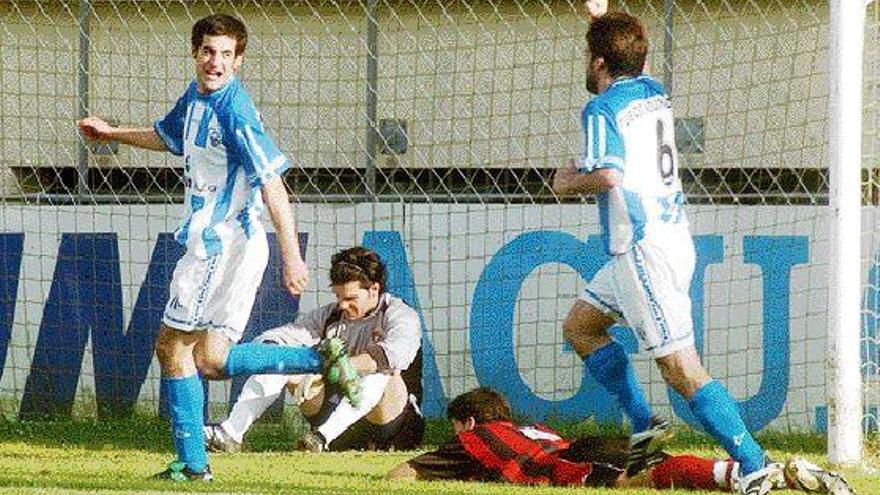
{"x": 383, "y": 336}
{"x": 231, "y": 168}
{"x": 630, "y": 163}
{"x": 489, "y": 446}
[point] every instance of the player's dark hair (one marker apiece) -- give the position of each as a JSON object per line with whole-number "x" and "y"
{"x": 357, "y": 264}
{"x": 483, "y": 404}
{"x": 220, "y": 25}
{"x": 620, "y": 39}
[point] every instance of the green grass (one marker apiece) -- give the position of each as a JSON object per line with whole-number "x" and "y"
{"x": 118, "y": 457}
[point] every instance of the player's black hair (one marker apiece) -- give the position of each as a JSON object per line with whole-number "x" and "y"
{"x": 358, "y": 264}
{"x": 220, "y": 25}
{"x": 620, "y": 39}
{"x": 483, "y": 404}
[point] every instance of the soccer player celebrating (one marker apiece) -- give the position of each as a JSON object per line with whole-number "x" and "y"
{"x": 231, "y": 168}
{"x": 383, "y": 336}
{"x": 488, "y": 446}
{"x": 631, "y": 164}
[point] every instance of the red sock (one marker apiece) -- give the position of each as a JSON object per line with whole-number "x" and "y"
{"x": 687, "y": 471}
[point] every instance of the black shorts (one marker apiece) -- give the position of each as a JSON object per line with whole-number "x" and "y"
{"x": 599, "y": 449}
{"x": 402, "y": 433}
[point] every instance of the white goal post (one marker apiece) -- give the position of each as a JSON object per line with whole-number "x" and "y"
{"x": 845, "y": 162}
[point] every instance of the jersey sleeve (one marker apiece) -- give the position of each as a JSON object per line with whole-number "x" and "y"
{"x": 603, "y": 145}
{"x": 313, "y": 321}
{"x": 449, "y": 462}
{"x": 255, "y": 151}
{"x": 170, "y": 127}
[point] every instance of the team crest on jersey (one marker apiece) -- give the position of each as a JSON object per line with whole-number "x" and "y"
{"x": 215, "y": 137}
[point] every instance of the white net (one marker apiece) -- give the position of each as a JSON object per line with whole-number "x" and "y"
{"x": 475, "y": 105}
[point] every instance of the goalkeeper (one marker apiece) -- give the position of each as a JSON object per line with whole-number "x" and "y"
{"x": 383, "y": 335}
{"x": 488, "y": 446}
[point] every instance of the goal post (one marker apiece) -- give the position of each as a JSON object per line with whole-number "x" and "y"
{"x": 846, "y": 34}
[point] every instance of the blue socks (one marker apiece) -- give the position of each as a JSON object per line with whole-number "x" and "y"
{"x": 186, "y": 403}
{"x": 611, "y": 367}
{"x": 717, "y": 412}
{"x": 711, "y": 405}
{"x": 263, "y": 359}
{"x": 186, "y": 400}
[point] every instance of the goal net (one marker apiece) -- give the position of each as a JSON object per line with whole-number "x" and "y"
{"x": 429, "y": 131}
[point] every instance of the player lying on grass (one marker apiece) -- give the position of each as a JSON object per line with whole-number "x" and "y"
{"x": 383, "y": 336}
{"x": 232, "y": 169}
{"x": 488, "y": 446}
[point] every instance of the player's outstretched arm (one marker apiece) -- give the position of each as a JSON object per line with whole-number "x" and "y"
{"x": 295, "y": 271}
{"x": 568, "y": 180}
{"x": 96, "y": 129}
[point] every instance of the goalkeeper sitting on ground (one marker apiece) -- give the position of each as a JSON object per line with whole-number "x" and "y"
{"x": 488, "y": 446}
{"x": 383, "y": 336}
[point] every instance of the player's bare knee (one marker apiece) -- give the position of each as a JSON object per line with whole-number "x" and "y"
{"x": 683, "y": 371}
{"x": 673, "y": 376}
{"x": 211, "y": 365}
{"x": 174, "y": 352}
{"x": 571, "y": 330}
{"x": 212, "y": 370}
{"x": 585, "y": 328}
{"x": 211, "y": 354}
{"x": 392, "y": 403}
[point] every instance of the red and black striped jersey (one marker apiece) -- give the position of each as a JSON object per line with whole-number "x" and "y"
{"x": 523, "y": 454}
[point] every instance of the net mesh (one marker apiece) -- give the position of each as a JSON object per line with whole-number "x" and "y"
{"x": 476, "y": 104}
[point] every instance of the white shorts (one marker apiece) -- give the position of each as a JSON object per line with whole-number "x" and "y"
{"x": 648, "y": 289}
{"x": 290, "y": 335}
{"x": 217, "y": 293}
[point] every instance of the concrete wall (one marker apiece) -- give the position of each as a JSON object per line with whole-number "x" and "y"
{"x": 479, "y": 85}
{"x": 491, "y": 282}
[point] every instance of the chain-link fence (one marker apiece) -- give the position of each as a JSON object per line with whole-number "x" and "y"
{"x": 431, "y": 130}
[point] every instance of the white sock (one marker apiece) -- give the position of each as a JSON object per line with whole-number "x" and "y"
{"x": 726, "y": 473}
{"x": 257, "y": 394}
{"x": 345, "y": 415}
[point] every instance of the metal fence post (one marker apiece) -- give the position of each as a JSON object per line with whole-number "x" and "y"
{"x": 82, "y": 111}
{"x": 372, "y": 93}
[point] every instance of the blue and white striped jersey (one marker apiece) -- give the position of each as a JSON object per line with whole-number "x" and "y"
{"x": 227, "y": 158}
{"x": 630, "y": 128}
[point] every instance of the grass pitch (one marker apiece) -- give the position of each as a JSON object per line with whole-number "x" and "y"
{"x": 118, "y": 457}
